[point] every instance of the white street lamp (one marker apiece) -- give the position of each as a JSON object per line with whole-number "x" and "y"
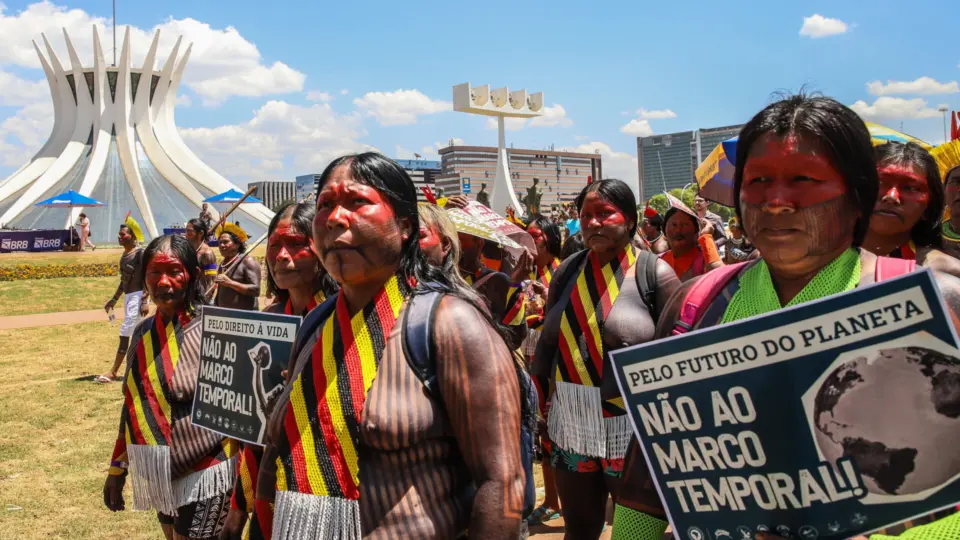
{"x": 943, "y": 109}
{"x": 500, "y": 102}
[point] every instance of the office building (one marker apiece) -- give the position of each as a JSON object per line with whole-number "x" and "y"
{"x": 306, "y": 187}
{"x": 464, "y": 170}
{"x": 423, "y": 172}
{"x": 669, "y": 161}
{"x": 273, "y": 194}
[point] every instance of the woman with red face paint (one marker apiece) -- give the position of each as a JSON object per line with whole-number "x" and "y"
{"x": 238, "y": 278}
{"x": 298, "y": 283}
{"x": 906, "y": 222}
{"x": 183, "y": 472}
{"x": 595, "y": 304}
{"x": 806, "y": 184}
{"x": 376, "y": 454}
{"x": 948, "y": 160}
{"x": 693, "y": 251}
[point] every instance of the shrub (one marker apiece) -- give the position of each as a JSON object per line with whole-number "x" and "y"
{"x": 51, "y": 271}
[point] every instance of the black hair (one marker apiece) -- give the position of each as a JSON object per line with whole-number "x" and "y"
{"x": 836, "y": 129}
{"x": 390, "y": 179}
{"x": 178, "y": 246}
{"x": 927, "y": 231}
{"x": 618, "y": 193}
{"x": 301, "y": 219}
{"x": 551, "y": 231}
{"x": 200, "y": 226}
{"x": 657, "y": 222}
{"x": 127, "y": 227}
{"x": 572, "y": 246}
{"x": 242, "y": 247}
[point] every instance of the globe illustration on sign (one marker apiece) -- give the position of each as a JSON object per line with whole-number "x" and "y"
{"x": 896, "y": 413}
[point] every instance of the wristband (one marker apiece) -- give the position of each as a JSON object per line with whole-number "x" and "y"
{"x": 709, "y": 249}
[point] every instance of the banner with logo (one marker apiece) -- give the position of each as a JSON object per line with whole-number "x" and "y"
{"x": 826, "y": 420}
{"x": 242, "y": 357}
{"x": 47, "y": 240}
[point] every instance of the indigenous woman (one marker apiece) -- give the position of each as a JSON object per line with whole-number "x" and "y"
{"x": 948, "y": 159}
{"x": 439, "y": 241}
{"x": 739, "y": 248}
{"x": 298, "y": 283}
{"x": 651, "y": 236}
{"x": 197, "y": 232}
{"x": 594, "y": 306}
{"x": 541, "y": 268}
{"x": 374, "y": 454}
{"x": 906, "y": 221}
{"x": 183, "y": 472}
{"x": 693, "y": 251}
{"x": 805, "y": 185}
{"x": 238, "y": 278}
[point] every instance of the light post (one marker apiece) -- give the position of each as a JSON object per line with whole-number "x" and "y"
{"x": 943, "y": 109}
{"x": 500, "y": 102}
{"x": 684, "y": 190}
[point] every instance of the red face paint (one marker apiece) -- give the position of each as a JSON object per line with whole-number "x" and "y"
{"x": 226, "y": 246}
{"x": 167, "y": 281}
{"x": 603, "y": 224}
{"x": 953, "y": 187}
{"x": 431, "y": 245}
{"x": 789, "y": 172}
{"x": 123, "y": 236}
{"x": 291, "y": 256}
{"x": 356, "y": 230}
{"x": 539, "y": 239}
{"x": 903, "y": 198}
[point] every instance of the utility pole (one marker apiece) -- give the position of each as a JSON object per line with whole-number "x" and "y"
{"x": 943, "y": 109}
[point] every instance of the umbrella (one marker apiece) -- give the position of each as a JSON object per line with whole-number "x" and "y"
{"x": 469, "y": 224}
{"x": 231, "y": 197}
{"x": 69, "y": 199}
{"x": 504, "y": 227}
{"x": 715, "y": 175}
{"x": 882, "y": 134}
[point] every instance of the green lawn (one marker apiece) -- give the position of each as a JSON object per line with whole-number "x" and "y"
{"x": 58, "y": 432}
{"x": 108, "y": 256}
{"x": 53, "y": 295}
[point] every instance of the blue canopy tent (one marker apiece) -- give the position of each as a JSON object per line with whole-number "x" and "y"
{"x": 231, "y": 197}
{"x": 69, "y": 199}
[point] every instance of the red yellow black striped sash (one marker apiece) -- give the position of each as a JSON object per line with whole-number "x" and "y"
{"x": 148, "y": 383}
{"x": 581, "y": 326}
{"x": 907, "y": 251}
{"x": 319, "y": 456}
{"x": 515, "y": 313}
{"x": 245, "y": 490}
{"x": 545, "y": 275}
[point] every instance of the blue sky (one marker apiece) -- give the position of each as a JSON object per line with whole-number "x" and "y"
{"x": 295, "y": 83}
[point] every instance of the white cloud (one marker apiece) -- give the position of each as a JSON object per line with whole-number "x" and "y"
{"x": 22, "y": 134}
{"x": 555, "y": 116}
{"x": 433, "y": 152}
{"x": 15, "y": 91}
{"x": 344, "y": 91}
{"x": 222, "y": 63}
{"x": 921, "y": 86}
{"x": 637, "y": 128}
{"x": 401, "y": 107}
{"x": 580, "y": 137}
{"x": 818, "y": 26}
{"x": 662, "y": 114}
{"x": 184, "y": 101}
{"x": 308, "y": 137}
{"x": 322, "y": 97}
{"x": 894, "y": 108}
{"x": 615, "y": 164}
{"x": 403, "y": 153}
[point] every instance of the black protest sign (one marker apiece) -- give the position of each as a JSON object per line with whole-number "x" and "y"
{"x": 822, "y": 421}
{"x": 242, "y": 357}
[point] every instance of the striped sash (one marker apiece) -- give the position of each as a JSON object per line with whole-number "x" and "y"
{"x": 545, "y": 276}
{"x": 579, "y": 420}
{"x": 515, "y": 312}
{"x": 318, "y": 468}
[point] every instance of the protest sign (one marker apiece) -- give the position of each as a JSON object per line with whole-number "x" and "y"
{"x": 825, "y": 420}
{"x": 242, "y": 355}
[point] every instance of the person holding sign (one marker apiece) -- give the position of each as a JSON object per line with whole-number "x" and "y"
{"x": 906, "y": 221}
{"x": 600, "y": 299}
{"x": 238, "y": 278}
{"x": 183, "y": 472}
{"x": 380, "y": 454}
{"x": 298, "y": 283}
{"x": 806, "y": 184}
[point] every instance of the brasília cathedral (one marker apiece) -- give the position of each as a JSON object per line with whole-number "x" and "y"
{"x": 114, "y": 139}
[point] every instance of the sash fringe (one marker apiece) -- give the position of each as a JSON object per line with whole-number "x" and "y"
{"x": 313, "y": 517}
{"x": 576, "y": 421}
{"x": 150, "y": 478}
{"x": 205, "y": 484}
{"x": 618, "y": 436}
{"x": 153, "y": 488}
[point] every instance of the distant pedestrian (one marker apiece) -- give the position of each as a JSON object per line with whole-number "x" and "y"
{"x": 84, "y": 225}
{"x": 206, "y": 216}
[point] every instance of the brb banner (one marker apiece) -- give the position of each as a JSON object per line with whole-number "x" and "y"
{"x": 49, "y": 240}
{"x": 822, "y": 421}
